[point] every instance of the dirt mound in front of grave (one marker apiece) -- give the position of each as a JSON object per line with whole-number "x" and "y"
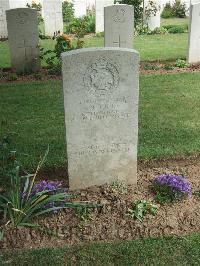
{"x": 111, "y": 222}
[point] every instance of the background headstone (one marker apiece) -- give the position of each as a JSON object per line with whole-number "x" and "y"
{"x": 80, "y": 8}
{"x": 19, "y": 3}
{"x": 153, "y": 21}
{"x": 53, "y": 18}
{"x": 101, "y": 90}
{"x": 4, "y": 5}
{"x": 119, "y": 26}
{"x": 194, "y": 34}
{"x": 99, "y": 10}
{"x": 23, "y": 39}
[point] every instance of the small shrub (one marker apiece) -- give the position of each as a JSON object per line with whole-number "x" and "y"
{"x": 38, "y": 76}
{"x": 176, "y": 29}
{"x": 167, "y": 11}
{"x": 170, "y": 187}
{"x": 141, "y": 207}
{"x": 149, "y": 66}
{"x": 179, "y": 9}
{"x": 11, "y": 77}
{"x": 180, "y": 63}
{"x": 168, "y": 66}
{"x": 119, "y": 187}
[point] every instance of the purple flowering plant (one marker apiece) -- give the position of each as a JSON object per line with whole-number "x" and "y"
{"x": 170, "y": 187}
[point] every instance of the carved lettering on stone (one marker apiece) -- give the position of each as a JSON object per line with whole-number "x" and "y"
{"x": 101, "y": 93}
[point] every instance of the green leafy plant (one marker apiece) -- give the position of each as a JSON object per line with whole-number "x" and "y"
{"x": 168, "y": 66}
{"x": 119, "y": 186}
{"x": 167, "y": 11}
{"x": 176, "y": 29}
{"x": 142, "y": 207}
{"x": 11, "y": 77}
{"x": 181, "y": 63}
{"x": 38, "y": 76}
{"x": 83, "y": 213}
{"x": 19, "y": 206}
{"x": 67, "y": 11}
{"x": 179, "y": 9}
{"x": 53, "y": 57}
{"x": 149, "y": 66}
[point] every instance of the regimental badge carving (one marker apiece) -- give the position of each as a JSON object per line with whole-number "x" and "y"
{"x": 101, "y": 78}
{"x": 22, "y": 18}
{"x": 119, "y": 15}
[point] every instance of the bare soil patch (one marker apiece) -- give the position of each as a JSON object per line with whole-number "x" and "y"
{"x": 111, "y": 222}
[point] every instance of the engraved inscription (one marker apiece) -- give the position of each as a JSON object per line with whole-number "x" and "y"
{"x": 99, "y": 149}
{"x": 119, "y": 15}
{"x": 22, "y": 18}
{"x": 101, "y": 78}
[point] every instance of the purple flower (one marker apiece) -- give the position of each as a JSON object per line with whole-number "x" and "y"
{"x": 177, "y": 183}
{"x": 47, "y": 185}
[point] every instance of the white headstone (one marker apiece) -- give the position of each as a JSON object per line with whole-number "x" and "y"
{"x": 119, "y": 26}
{"x": 194, "y": 34}
{"x": 23, "y": 39}
{"x": 80, "y": 8}
{"x": 153, "y": 20}
{"x": 101, "y": 90}
{"x": 19, "y": 3}
{"x": 53, "y": 18}
{"x": 99, "y": 8}
{"x": 4, "y": 5}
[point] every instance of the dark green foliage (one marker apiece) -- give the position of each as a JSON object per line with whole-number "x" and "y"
{"x": 11, "y": 77}
{"x": 68, "y": 11}
{"x": 150, "y": 66}
{"x": 168, "y": 66}
{"x": 167, "y": 11}
{"x": 177, "y": 9}
{"x": 176, "y": 29}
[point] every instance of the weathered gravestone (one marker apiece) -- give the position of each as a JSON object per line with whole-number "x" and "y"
{"x": 23, "y": 39}
{"x": 53, "y": 19}
{"x": 118, "y": 26}
{"x": 4, "y": 5}
{"x": 99, "y": 10}
{"x": 80, "y": 8}
{"x": 101, "y": 114}
{"x": 194, "y": 34}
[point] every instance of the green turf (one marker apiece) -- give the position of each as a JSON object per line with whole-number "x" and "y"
{"x": 161, "y": 251}
{"x": 168, "y": 117}
{"x": 175, "y": 21}
{"x": 151, "y": 47}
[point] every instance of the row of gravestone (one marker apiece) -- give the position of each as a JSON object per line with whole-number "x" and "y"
{"x": 101, "y": 91}
{"x": 52, "y": 14}
{"x": 24, "y": 37}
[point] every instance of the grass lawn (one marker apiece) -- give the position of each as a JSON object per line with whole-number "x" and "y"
{"x": 168, "y": 117}
{"x": 151, "y": 47}
{"x": 163, "y": 251}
